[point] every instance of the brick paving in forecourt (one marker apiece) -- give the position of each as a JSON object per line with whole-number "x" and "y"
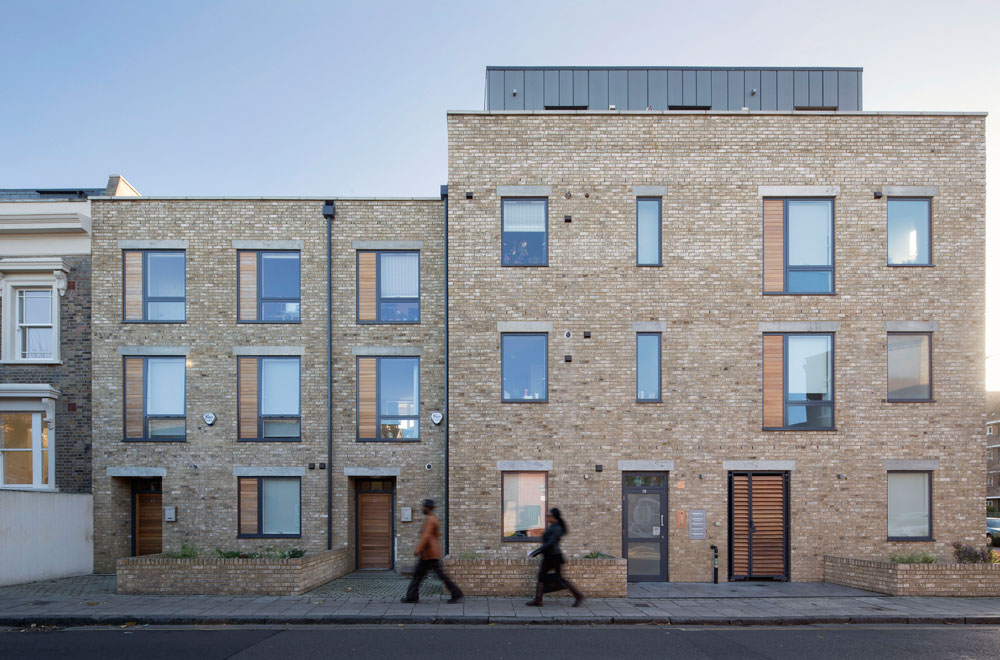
{"x": 90, "y": 600}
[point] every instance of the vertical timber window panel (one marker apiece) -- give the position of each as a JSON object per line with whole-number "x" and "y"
{"x": 367, "y": 398}
{"x": 248, "y": 286}
{"x": 249, "y": 511}
{"x": 774, "y": 381}
{"x": 248, "y": 398}
{"x": 774, "y": 245}
{"x": 367, "y": 287}
{"x": 133, "y": 285}
{"x": 134, "y": 398}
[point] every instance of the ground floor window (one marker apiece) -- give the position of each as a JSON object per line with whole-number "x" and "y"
{"x": 25, "y": 454}
{"x": 523, "y": 505}
{"x": 269, "y": 506}
{"x": 909, "y": 507}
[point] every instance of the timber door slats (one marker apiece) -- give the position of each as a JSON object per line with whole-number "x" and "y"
{"x": 148, "y": 523}
{"x": 758, "y": 525}
{"x": 374, "y": 528}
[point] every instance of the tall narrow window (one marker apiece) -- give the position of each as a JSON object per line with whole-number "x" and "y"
{"x": 524, "y": 360}
{"x": 154, "y": 286}
{"x": 909, "y": 366}
{"x": 525, "y": 232}
{"x": 647, "y": 231}
{"x": 154, "y": 398}
{"x": 388, "y": 398}
{"x": 269, "y": 398}
{"x": 35, "y": 328}
{"x": 798, "y": 246}
{"x": 909, "y": 506}
{"x": 647, "y": 366}
{"x": 270, "y": 288}
{"x": 24, "y": 451}
{"x": 798, "y": 381}
{"x": 269, "y": 507}
{"x": 908, "y": 231}
{"x": 524, "y": 504}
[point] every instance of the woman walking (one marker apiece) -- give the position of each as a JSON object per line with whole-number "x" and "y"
{"x": 552, "y": 558}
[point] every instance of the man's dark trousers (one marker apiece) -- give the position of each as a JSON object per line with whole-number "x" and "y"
{"x": 420, "y": 570}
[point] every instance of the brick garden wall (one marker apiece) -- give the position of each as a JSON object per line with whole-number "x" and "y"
{"x": 708, "y": 295}
{"x": 238, "y": 577}
{"x": 596, "y": 578}
{"x": 913, "y": 579}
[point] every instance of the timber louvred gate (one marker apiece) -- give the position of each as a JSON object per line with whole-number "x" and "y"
{"x": 758, "y": 526}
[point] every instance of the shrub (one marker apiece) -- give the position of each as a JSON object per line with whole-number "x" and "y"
{"x": 968, "y": 554}
{"x": 595, "y": 554}
{"x": 187, "y": 551}
{"x": 266, "y": 553}
{"x": 913, "y": 558}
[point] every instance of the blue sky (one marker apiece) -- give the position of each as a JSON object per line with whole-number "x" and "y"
{"x": 349, "y": 98}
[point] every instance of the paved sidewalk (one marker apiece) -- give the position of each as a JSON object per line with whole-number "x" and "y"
{"x": 192, "y": 610}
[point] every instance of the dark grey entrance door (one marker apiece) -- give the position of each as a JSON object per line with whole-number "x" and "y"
{"x": 644, "y": 532}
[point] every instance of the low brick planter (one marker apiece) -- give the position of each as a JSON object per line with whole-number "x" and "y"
{"x": 596, "y": 578}
{"x": 154, "y": 574}
{"x": 913, "y": 579}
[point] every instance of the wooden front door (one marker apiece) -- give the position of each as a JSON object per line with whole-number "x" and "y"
{"x": 758, "y": 525}
{"x": 374, "y": 516}
{"x": 147, "y": 523}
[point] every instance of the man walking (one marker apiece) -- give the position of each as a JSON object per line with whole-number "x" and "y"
{"x": 428, "y": 552}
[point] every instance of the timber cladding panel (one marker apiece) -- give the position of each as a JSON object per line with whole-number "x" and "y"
{"x": 709, "y": 298}
{"x": 774, "y": 381}
{"x": 134, "y": 405}
{"x": 367, "y": 286}
{"x": 248, "y": 397}
{"x": 248, "y": 286}
{"x": 774, "y": 245}
{"x": 199, "y": 480}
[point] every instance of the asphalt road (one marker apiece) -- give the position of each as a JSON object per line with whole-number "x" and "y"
{"x": 907, "y": 642}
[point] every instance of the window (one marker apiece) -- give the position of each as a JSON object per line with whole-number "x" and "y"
{"x": 388, "y": 287}
{"x": 989, "y": 481}
{"x": 798, "y": 246}
{"x": 269, "y": 286}
{"x": 647, "y": 231}
{"x": 908, "y": 231}
{"x": 25, "y": 451}
{"x": 154, "y": 286}
{"x": 524, "y": 366}
{"x": 269, "y": 507}
{"x": 523, "y": 495}
{"x": 909, "y": 508}
{"x": 909, "y": 366}
{"x": 647, "y": 366}
{"x": 154, "y": 398}
{"x": 35, "y": 327}
{"x": 388, "y": 398}
{"x": 30, "y": 289}
{"x": 798, "y": 381}
{"x": 269, "y": 398}
{"x": 525, "y": 232}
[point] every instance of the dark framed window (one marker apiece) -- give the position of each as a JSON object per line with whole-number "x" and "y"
{"x": 270, "y": 286}
{"x": 269, "y": 507}
{"x": 909, "y": 366}
{"x": 648, "y": 228}
{"x": 154, "y": 286}
{"x": 524, "y": 366}
{"x": 647, "y": 366}
{"x": 525, "y": 223}
{"x": 269, "y": 398}
{"x": 389, "y": 398}
{"x": 155, "y": 398}
{"x": 908, "y": 514}
{"x": 908, "y": 231}
{"x": 523, "y": 505}
{"x": 798, "y": 246}
{"x": 798, "y": 381}
{"x": 388, "y": 286}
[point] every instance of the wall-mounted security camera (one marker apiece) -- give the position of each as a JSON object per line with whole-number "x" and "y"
{"x": 428, "y": 466}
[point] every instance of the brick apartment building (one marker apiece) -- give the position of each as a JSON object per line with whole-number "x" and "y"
{"x": 691, "y": 308}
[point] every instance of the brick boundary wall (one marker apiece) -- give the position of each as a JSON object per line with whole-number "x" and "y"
{"x": 913, "y": 579}
{"x": 596, "y": 578}
{"x": 154, "y": 574}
